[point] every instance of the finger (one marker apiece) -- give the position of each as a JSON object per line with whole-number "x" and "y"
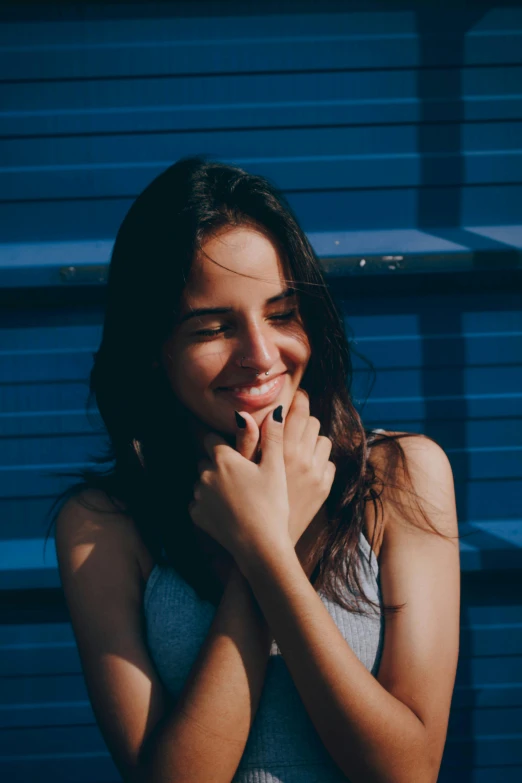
{"x": 271, "y": 440}
{"x": 310, "y": 435}
{"x": 323, "y": 445}
{"x": 297, "y": 417}
{"x": 247, "y": 437}
{"x": 329, "y": 474}
{"x": 323, "y": 449}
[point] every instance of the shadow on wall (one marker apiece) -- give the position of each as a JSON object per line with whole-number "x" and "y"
{"x": 442, "y": 162}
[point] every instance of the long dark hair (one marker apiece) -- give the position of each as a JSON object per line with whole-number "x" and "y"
{"x": 151, "y": 463}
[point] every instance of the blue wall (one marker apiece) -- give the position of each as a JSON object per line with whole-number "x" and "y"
{"x": 394, "y": 130}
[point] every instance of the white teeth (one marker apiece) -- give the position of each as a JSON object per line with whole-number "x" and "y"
{"x": 255, "y": 390}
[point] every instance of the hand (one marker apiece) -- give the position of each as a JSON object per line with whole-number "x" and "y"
{"x": 309, "y": 473}
{"x": 243, "y": 505}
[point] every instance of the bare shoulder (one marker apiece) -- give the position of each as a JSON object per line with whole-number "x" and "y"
{"x": 426, "y": 478}
{"x": 421, "y": 484}
{"x": 98, "y": 556}
{"x": 91, "y": 519}
{"x": 419, "y": 567}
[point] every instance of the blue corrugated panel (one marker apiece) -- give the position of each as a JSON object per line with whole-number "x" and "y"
{"x": 368, "y": 120}
{"x": 391, "y": 131}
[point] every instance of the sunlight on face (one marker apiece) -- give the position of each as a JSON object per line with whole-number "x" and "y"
{"x": 204, "y": 352}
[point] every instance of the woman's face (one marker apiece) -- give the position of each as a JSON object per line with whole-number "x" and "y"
{"x": 203, "y": 356}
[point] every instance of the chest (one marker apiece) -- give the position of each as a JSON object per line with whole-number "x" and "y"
{"x": 215, "y": 563}
{"x": 177, "y": 622}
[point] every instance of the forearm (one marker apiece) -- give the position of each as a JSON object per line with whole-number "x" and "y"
{"x": 371, "y": 735}
{"x": 204, "y": 737}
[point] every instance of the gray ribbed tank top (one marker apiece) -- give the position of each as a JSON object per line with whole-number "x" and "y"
{"x": 283, "y": 745}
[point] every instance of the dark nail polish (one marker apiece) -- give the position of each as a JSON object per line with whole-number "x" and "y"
{"x": 277, "y": 414}
{"x": 240, "y": 421}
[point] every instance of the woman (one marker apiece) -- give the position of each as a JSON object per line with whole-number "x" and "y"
{"x": 241, "y": 483}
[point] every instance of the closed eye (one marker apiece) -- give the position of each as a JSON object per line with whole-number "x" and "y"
{"x": 279, "y": 317}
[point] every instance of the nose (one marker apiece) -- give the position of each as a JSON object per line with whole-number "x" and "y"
{"x": 257, "y": 349}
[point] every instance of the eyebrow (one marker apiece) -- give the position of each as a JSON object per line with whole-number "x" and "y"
{"x": 200, "y": 311}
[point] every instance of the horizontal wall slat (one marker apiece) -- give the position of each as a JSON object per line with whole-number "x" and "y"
{"x": 504, "y": 774}
{"x": 434, "y": 350}
{"x": 71, "y": 448}
{"x": 351, "y": 157}
{"x": 504, "y": 640}
{"x": 265, "y": 101}
{"x": 59, "y": 658}
{"x": 142, "y": 25}
{"x": 353, "y": 210}
{"x": 350, "y": 143}
{"x": 57, "y": 714}
{"x": 466, "y": 723}
{"x": 485, "y": 500}
{"x": 333, "y": 171}
{"x": 42, "y": 689}
{"x": 473, "y": 433}
{"x": 61, "y": 422}
{"x": 51, "y": 395}
{"x": 50, "y": 741}
{"x": 475, "y": 697}
{"x": 65, "y": 767}
{"x": 30, "y": 340}
{"x": 484, "y": 750}
{"x": 438, "y": 407}
{"x": 467, "y": 383}
{"x": 276, "y": 47}
{"x": 25, "y": 517}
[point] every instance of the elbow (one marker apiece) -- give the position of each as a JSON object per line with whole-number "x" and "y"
{"x": 424, "y": 768}
{"x": 433, "y": 772}
{"x": 418, "y": 772}
{"x": 425, "y": 757}
{"x": 415, "y": 764}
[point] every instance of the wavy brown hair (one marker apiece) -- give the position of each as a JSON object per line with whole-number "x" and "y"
{"x": 150, "y": 466}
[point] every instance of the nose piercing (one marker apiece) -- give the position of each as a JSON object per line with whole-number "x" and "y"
{"x": 241, "y": 365}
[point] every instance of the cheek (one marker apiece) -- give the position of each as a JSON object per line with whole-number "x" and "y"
{"x": 198, "y": 369}
{"x": 301, "y": 346}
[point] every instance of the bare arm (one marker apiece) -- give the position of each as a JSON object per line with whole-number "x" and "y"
{"x": 200, "y": 737}
{"x": 392, "y": 728}
{"x": 204, "y": 737}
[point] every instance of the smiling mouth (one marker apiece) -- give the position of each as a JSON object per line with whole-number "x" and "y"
{"x": 254, "y": 394}
{"x": 254, "y": 391}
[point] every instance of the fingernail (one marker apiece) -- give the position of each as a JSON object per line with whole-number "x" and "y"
{"x": 240, "y": 421}
{"x": 277, "y": 414}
